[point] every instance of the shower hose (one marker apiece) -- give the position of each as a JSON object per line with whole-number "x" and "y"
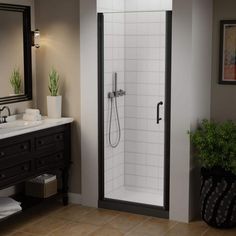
{"x": 114, "y": 145}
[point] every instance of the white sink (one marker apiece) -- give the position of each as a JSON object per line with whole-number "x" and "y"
{"x": 18, "y": 125}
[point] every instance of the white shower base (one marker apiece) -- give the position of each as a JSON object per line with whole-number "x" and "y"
{"x": 137, "y": 195}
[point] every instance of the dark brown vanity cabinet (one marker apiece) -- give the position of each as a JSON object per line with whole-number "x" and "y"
{"x": 29, "y": 155}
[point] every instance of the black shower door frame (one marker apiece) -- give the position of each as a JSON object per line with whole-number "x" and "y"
{"x": 113, "y": 204}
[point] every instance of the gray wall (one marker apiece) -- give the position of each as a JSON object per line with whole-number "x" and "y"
{"x": 58, "y": 22}
{"x": 223, "y": 96}
{"x": 192, "y": 34}
{"x": 89, "y": 101}
{"x": 20, "y": 107}
{"x": 201, "y": 85}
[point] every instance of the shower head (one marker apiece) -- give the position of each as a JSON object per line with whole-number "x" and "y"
{"x": 115, "y": 82}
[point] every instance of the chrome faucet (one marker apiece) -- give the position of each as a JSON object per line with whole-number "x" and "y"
{"x": 3, "y": 119}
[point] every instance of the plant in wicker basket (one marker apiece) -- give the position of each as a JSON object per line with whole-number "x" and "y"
{"x": 215, "y": 148}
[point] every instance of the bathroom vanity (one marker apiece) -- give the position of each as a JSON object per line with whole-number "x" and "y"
{"x": 29, "y": 149}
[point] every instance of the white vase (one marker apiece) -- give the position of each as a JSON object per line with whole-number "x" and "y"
{"x": 54, "y": 106}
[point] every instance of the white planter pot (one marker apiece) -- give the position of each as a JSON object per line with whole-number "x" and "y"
{"x": 54, "y": 106}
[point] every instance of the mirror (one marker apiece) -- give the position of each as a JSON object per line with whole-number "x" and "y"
{"x": 15, "y": 54}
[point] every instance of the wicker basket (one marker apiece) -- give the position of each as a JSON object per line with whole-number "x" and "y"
{"x": 218, "y": 198}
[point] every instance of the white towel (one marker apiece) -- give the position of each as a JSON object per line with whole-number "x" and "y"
{"x": 29, "y": 117}
{"x": 32, "y": 111}
{"x": 9, "y": 204}
{"x": 9, "y": 213}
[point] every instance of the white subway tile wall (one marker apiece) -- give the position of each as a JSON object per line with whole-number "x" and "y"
{"x": 113, "y": 62}
{"x": 133, "y": 5}
{"x": 145, "y": 87}
{"x": 135, "y": 49}
{"x": 110, "y": 5}
{"x": 150, "y": 5}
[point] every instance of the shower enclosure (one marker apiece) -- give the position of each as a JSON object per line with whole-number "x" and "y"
{"x": 134, "y": 111}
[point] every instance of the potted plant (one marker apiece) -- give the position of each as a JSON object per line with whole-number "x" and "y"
{"x": 54, "y": 102}
{"x": 215, "y": 148}
{"x": 15, "y": 81}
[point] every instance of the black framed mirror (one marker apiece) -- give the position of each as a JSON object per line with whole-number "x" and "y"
{"x": 16, "y": 55}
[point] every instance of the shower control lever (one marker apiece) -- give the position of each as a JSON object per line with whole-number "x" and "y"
{"x": 158, "y": 112}
{"x": 111, "y": 95}
{"x": 120, "y": 93}
{"x": 117, "y": 94}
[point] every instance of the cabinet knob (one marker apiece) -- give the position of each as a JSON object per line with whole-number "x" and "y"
{"x": 24, "y": 168}
{"x": 40, "y": 142}
{"x": 59, "y": 156}
{"x": 2, "y": 154}
{"x": 24, "y": 147}
{"x": 2, "y": 176}
{"x": 58, "y": 137}
{"x": 41, "y": 162}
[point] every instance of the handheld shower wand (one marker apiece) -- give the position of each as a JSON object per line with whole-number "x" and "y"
{"x": 115, "y": 83}
{"x": 111, "y": 96}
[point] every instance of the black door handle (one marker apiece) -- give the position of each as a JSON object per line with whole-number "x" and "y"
{"x": 158, "y": 112}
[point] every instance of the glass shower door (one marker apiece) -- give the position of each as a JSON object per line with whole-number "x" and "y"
{"x": 136, "y": 92}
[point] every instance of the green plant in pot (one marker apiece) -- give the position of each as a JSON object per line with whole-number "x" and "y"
{"x": 215, "y": 148}
{"x": 54, "y": 101}
{"x": 15, "y": 81}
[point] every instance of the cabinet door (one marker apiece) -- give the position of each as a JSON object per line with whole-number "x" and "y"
{"x": 50, "y": 161}
{"x": 14, "y": 152}
{"x": 15, "y": 174}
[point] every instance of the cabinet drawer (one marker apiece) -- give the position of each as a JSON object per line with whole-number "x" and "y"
{"x": 15, "y": 149}
{"x": 56, "y": 139}
{"x": 50, "y": 160}
{"x": 17, "y": 171}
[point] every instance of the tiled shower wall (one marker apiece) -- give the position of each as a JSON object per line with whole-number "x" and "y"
{"x": 144, "y": 84}
{"x": 147, "y": 5}
{"x": 135, "y": 49}
{"x": 133, "y": 5}
{"x": 110, "y": 5}
{"x": 114, "y": 62}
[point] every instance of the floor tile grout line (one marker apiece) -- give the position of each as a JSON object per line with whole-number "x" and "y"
{"x": 207, "y": 229}
{"x": 21, "y": 228}
{"x": 50, "y": 215}
{"x": 76, "y": 223}
{"x": 79, "y": 220}
{"x": 65, "y": 223}
{"x": 21, "y": 231}
{"x": 135, "y": 227}
{"x": 172, "y": 227}
{"x": 116, "y": 216}
{"x": 109, "y": 216}
{"x": 42, "y": 218}
{"x": 101, "y": 226}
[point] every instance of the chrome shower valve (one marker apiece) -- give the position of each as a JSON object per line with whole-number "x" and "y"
{"x": 116, "y": 94}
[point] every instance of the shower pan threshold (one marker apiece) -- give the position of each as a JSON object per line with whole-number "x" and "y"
{"x": 137, "y": 195}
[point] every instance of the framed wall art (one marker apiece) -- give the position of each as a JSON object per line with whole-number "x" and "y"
{"x": 227, "y": 74}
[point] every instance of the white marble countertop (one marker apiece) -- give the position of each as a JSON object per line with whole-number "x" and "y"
{"x": 19, "y": 127}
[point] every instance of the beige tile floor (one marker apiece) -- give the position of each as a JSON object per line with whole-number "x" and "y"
{"x": 75, "y": 220}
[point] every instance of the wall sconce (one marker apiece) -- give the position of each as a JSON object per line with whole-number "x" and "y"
{"x": 36, "y": 38}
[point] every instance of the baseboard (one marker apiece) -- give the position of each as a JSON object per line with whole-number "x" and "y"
{"x": 75, "y": 198}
